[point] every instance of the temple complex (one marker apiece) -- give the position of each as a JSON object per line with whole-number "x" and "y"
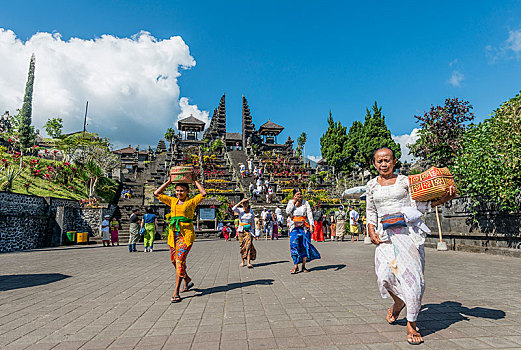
{"x": 219, "y": 158}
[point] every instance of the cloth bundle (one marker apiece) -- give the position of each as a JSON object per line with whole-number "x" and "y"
{"x": 431, "y": 184}
{"x": 393, "y": 220}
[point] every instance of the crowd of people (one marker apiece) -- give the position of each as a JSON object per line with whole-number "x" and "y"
{"x": 392, "y": 219}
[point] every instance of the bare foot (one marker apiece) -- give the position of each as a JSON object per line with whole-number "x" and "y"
{"x": 242, "y": 264}
{"x": 413, "y": 336}
{"x": 394, "y": 312}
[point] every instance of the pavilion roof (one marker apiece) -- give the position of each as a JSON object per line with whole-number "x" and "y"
{"x": 233, "y": 136}
{"x": 190, "y": 123}
{"x": 128, "y": 150}
{"x": 270, "y": 127}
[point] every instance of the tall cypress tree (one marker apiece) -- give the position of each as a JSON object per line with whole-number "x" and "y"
{"x": 375, "y": 135}
{"x": 26, "y": 130}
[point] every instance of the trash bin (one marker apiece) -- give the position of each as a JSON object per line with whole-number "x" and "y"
{"x": 82, "y": 237}
{"x": 70, "y": 237}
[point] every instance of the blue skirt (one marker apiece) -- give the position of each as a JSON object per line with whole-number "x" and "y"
{"x": 301, "y": 247}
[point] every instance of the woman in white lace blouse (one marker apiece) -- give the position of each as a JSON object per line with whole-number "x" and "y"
{"x": 395, "y": 226}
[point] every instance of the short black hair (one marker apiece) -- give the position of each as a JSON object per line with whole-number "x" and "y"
{"x": 182, "y": 184}
{"x": 296, "y": 190}
{"x": 381, "y": 148}
{"x": 135, "y": 210}
{"x": 150, "y": 210}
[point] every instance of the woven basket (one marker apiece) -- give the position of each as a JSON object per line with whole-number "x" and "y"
{"x": 431, "y": 184}
{"x": 181, "y": 174}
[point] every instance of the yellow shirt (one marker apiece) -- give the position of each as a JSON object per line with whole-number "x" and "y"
{"x": 186, "y": 209}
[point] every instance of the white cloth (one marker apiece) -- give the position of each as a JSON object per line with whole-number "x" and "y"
{"x": 303, "y": 210}
{"x": 105, "y": 231}
{"x": 400, "y": 259}
{"x": 245, "y": 218}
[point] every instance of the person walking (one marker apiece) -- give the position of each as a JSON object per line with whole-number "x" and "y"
{"x": 332, "y": 227}
{"x": 114, "y": 231}
{"x": 395, "y": 227}
{"x": 300, "y": 219}
{"x": 133, "y": 231}
{"x": 246, "y": 230}
{"x": 353, "y": 223}
{"x": 318, "y": 233}
{"x": 181, "y": 233}
{"x": 105, "y": 231}
{"x": 340, "y": 221}
{"x": 149, "y": 221}
{"x": 258, "y": 226}
{"x": 325, "y": 225}
{"x": 268, "y": 224}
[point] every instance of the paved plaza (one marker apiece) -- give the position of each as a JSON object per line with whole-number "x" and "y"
{"x": 97, "y": 298}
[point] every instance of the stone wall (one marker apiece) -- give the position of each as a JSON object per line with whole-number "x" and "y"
{"x": 491, "y": 231}
{"x": 28, "y": 222}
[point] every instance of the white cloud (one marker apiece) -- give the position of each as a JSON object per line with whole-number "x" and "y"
{"x": 130, "y": 83}
{"x": 314, "y": 158}
{"x": 456, "y": 78}
{"x": 453, "y": 62}
{"x": 404, "y": 140}
{"x": 513, "y": 42}
{"x": 191, "y": 110}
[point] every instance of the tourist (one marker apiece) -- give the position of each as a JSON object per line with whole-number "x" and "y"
{"x": 399, "y": 255}
{"x": 236, "y": 226}
{"x": 332, "y": 225}
{"x": 246, "y": 229}
{"x": 105, "y": 231}
{"x": 114, "y": 231}
{"x": 133, "y": 231}
{"x": 275, "y": 234}
{"x": 340, "y": 221}
{"x": 257, "y": 227}
{"x": 149, "y": 222}
{"x": 325, "y": 226}
{"x": 181, "y": 233}
{"x": 250, "y": 165}
{"x": 269, "y": 195}
{"x": 251, "y": 188}
{"x": 318, "y": 233}
{"x": 353, "y": 223}
{"x": 300, "y": 219}
{"x": 259, "y": 186}
{"x": 268, "y": 224}
{"x": 278, "y": 215}
{"x": 225, "y": 232}
{"x": 242, "y": 168}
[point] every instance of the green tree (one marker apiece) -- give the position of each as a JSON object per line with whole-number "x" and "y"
{"x": 441, "y": 133}
{"x": 488, "y": 166}
{"x": 301, "y": 142}
{"x": 375, "y": 135}
{"x": 26, "y": 130}
{"x": 53, "y": 127}
{"x": 333, "y": 144}
{"x": 352, "y": 146}
{"x": 169, "y": 134}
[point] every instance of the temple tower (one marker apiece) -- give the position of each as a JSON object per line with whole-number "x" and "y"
{"x": 217, "y": 128}
{"x": 248, "y": 129}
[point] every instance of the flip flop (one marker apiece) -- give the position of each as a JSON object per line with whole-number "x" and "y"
{"x": 294, "y": 272}
{"x": 188, "y": 287}
{"x": 392, "y": 314}
{"x": 175, "y": 299}
{"x": 411, "y": 342}
{"x": 250, "y": 266}
{"x": 305, "y": 270}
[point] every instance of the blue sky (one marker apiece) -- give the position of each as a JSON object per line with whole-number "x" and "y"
{"x": 294, "y": 61}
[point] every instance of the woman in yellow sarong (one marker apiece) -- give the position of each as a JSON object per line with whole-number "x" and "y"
{"x": 181, "y": 232}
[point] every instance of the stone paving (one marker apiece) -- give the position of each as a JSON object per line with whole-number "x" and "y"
{"x": 98, "y": 298}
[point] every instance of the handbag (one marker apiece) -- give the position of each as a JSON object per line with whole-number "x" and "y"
{"x": 142, "y": 231}
{"x": 393, "y": 220}
{"x": 431, "y": 184}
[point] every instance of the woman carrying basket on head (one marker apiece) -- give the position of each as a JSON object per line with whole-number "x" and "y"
{"x": 181, "y": 232}
{"x": 300, "y": 219}
{"x": 245, "y": 231}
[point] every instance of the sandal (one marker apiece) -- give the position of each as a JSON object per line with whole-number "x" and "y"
{"x": 305, "y": 270}
{"x": 390, "y": 313}
{"x": 294, "y": 271}
{"x": 188, "y": 287}
{"x": 175, "y": 299}
{"x": 411, "y": 341}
